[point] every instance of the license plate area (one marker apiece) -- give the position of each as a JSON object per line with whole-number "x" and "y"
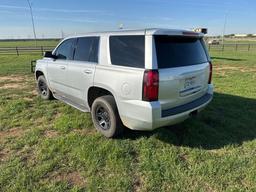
{"x": 190, "y": 85}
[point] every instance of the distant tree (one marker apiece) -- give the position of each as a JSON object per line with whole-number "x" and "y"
{"x": 229, "y": 35}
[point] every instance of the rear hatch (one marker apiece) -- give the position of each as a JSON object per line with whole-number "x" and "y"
{"x": 183, "y": 65}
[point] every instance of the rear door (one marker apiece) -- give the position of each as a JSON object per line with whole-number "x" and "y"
{"x": 57, "y": 68}
{"x": 81, "y": 71}
{"x": 183, "y": 65}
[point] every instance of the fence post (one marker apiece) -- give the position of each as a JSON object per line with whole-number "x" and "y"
{"x": 32, "y": 66}
{"x": 249, "y": 46}
{"x": 222, "y": 47}
{"x": 42, "y": 50}
{"x": 209, "y": 47}
{"x": 17, "y": 51}
{"x": 236, "y": 47}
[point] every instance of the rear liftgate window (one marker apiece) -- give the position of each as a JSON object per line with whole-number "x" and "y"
{"x": 128, "y": 51}
{"x": 178, "y": 51}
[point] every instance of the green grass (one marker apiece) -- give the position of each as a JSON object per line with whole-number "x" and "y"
{"x": 28, "y": 43}
{"x": 240, "y": 40}
{"x": 12, "y": 64}
{"x": 49, "y": 146}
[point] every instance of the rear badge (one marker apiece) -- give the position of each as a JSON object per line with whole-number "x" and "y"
{"x": 189, "y": 86}
{"x": 189, "y": 82}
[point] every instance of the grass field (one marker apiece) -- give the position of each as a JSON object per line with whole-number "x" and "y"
{"x": 49, "y": 146}
{"x": 28, "y": 43}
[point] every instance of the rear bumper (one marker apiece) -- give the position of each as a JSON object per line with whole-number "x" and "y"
{"x": 186, "y": 107}
{"x": 140, "y": 115}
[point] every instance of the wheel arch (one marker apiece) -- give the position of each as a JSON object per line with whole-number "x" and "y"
{"x": 39, "y": 73}
{"x": 95, "y": 92}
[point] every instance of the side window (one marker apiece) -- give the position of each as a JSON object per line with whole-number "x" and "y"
{"x": 87, "y": 49}
{"x": 65, "y": 50}
{"x": 128, "y": 50}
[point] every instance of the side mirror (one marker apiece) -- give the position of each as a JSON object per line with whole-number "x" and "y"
{"x": 49, "y": 54}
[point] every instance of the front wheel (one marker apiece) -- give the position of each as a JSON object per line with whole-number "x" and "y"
{"x": 105, "y": 116}
{"x": 43, "y": 88}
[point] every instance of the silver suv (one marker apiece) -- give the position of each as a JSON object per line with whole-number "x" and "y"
{"x": 140, "y": 79}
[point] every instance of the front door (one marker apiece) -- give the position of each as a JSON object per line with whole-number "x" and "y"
{"x": 57, "y": 68}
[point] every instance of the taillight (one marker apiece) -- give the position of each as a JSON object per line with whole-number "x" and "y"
{"x": 150, "y": 85}
{"x": 210, "y": 73}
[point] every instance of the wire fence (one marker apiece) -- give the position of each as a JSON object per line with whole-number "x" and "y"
{"x": 232, "y": 47}
{"x": 41, "y": 49}
{"x": 25, "y": 50}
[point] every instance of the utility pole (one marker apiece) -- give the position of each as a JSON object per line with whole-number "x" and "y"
{"x": 224, "y": 28}
{"x": 32, "y": 19}
{"x": 62, "y": 34}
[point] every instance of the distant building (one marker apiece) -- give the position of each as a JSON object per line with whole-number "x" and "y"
{"x": 241, "y": 35}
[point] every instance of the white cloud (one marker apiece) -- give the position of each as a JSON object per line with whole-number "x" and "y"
{"x": 70, "y": 20}
{"x": 55, "y": 10}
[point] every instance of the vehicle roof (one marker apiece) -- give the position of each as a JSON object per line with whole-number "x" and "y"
{"x": 151, "y": 31}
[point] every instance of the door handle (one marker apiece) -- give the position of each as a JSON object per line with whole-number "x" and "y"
{"x": 63, "y": 67}
{"x": 87, "y": 71}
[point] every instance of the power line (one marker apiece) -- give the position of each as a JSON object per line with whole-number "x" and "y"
{"x": 32, "y": 19}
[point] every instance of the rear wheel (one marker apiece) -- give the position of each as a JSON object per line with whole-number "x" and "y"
{"x": 105, "y": 116}
{"x": 43, "y": 88}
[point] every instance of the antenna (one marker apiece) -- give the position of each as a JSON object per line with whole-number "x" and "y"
{"x": 32, "y": 19}
{"x": 121, "y": 26}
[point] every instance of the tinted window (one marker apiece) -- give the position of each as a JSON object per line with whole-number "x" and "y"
{"x": 87, "y": 49}
{"x": 127, "y": 50}
{"x": 179, "y": 51}
{"x": 65, "y": 50}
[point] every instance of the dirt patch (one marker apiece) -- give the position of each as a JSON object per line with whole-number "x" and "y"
{"x": 12, "y": 86}
{"x": 13, "y": 82}
{"x": 246, "y": 70}
{"x": 227, "y": 68}
{"x": 73, "y": 178}
{"x": 50, "y": 133}
{"x": 31, "y": 96}
{"x": 219, "y": 69}
{"x": 4, "y": 154}
{"x": 222, "y": 73}
{"x": 12, "y": 78}
{"x": 85, "y": 131}
{"x": 14, "y": 132}
{"x": 137, "y": 184}
{"x": 28, "y": 99}
{"x": 27, "y": 155}
{"x": 34, "y": 92}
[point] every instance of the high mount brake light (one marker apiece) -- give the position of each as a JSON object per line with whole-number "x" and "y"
{"x": 190, "y": 34}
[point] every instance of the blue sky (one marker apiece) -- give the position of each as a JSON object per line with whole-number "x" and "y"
{"x": 80, "y": 16}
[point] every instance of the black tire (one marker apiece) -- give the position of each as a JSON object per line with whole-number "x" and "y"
{"x": 43, "y": 89}
{"x": 105, "y": 116}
